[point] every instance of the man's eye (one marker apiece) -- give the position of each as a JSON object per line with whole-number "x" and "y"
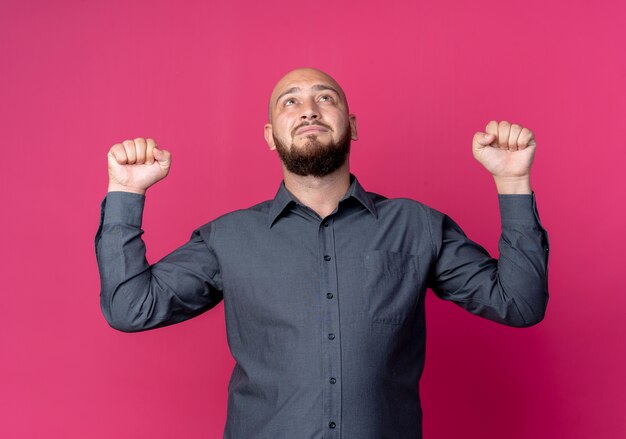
{"x": 290, "y": 102}
{"x": 326, "y": 98}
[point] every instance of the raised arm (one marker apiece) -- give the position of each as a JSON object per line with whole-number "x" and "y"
{"x": 136, "y": 296}
{"x": 512, "y": 290}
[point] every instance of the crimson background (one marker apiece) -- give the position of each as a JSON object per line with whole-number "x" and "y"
{"x": 422, "y": 77}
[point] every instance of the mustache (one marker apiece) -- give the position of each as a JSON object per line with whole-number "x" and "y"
{"x": 293, "y": 132}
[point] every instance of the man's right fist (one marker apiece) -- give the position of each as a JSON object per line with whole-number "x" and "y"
{"x": 135, "y": 165}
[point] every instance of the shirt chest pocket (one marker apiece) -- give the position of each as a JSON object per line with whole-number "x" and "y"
{"x": 391, "y": 287}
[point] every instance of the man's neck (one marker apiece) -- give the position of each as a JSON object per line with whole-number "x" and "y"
{"x": 321, "y": 194}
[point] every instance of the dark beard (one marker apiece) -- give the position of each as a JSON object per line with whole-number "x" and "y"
{"x": 313, "y": 158}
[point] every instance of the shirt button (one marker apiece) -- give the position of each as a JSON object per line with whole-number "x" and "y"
{"x": 332, "y": 380}
{"x": 326, "y": 258}
{"x": 325, "y": 223}
{"x": 331, "y": 336}
{"x": 331, "y": 424}
{"x": 329, "y": 295}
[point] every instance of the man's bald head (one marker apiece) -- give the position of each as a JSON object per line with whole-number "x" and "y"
{"x": 295, "y": 78}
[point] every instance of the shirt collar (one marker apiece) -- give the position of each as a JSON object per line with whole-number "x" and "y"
{"x": 284, "y": 198}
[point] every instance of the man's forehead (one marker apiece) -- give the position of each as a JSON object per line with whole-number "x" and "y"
{"x": 305, "y": 79}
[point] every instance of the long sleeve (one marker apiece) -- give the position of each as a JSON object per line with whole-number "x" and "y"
{"x": 136, "y": 296}
{"x": 512, "y": 290}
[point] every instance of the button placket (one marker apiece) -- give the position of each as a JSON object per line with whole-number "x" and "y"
{"x": 331, "y": 352}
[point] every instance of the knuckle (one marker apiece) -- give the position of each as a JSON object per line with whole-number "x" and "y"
{"x": 529, "y": 136}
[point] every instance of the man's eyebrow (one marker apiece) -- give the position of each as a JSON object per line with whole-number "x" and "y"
{"x": 319, "y": 87}
{"x": 286, "y": 92}
{"x": 316, "y": 87}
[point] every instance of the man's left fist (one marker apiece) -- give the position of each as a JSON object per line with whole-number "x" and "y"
{"x": 504, "y": 149}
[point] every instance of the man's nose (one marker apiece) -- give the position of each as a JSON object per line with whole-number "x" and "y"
{"x": 309, "y": 111}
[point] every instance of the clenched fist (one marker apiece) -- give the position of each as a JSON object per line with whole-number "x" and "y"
{"x": 506, "y": 151}
{"x": 135, "y": 165}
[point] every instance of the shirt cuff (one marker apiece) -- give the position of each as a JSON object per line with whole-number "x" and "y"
{"x": 518, "y": 209}
{"x": 120, "y": 207}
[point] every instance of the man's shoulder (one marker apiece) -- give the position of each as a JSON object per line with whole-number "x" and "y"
{"x": 255, "y": 214}
{"x": 403, "y": 204}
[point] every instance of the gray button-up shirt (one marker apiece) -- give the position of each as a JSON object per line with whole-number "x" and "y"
{"x": 324, "y": 316}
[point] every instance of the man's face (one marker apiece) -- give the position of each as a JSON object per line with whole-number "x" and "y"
{"x": 309, "y": 123}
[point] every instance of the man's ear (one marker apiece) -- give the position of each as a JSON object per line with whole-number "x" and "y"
{"x": 269, "y": 138}
{"x": 353, "y": 127}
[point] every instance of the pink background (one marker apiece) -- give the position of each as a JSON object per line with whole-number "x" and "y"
{"x": 422, "y": 77}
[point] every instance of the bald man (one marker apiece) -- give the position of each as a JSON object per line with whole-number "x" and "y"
{"x": 324, "y": 285}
